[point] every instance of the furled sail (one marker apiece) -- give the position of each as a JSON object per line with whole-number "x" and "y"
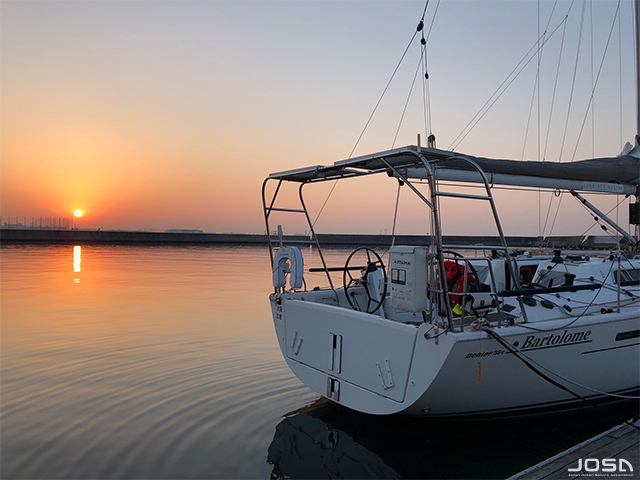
{"x": 619, "y": 174}
{"x": 624, "y": 170}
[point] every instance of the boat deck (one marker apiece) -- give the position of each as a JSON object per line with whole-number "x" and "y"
{"x": 620, "y": 442}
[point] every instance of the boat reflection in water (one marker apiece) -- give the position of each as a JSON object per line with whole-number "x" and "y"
{"x": 325, "y": 440}
{"x": 307, "y": 445}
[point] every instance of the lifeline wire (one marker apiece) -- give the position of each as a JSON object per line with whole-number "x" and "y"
{"x": 526, "y": 359}
{"x": 575, "y": 319}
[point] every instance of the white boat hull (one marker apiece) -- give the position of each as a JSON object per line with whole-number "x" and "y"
{"x": 383, "y": 367}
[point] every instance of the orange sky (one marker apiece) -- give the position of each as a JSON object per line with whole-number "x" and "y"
{"x": 156, "y": 115}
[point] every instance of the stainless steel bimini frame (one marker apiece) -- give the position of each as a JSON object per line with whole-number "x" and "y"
{"x": 395, "y": 163}
{"x": 271, "y": 208}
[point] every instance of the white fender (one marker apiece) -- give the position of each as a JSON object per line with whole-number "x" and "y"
{"x": 294, "y": 256}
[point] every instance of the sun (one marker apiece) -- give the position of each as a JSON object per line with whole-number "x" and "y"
{"x": 78, "y": 213}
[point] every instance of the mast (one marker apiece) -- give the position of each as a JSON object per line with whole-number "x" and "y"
{"x": 636, "y": 6}
{"x": 637, "y": 28}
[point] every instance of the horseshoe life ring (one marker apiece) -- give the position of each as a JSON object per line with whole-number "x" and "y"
{"x": 295, "y": 268}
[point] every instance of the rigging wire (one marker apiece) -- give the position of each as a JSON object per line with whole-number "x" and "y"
{"x": 425, "y": 88}
{"x": 555, "y": 217}
{"x": 546, "y": 141}
{"x": 433, "y": 19}
{"x": 555, "y": 88}
{"x": 335, "y": 183}
{"x": 593, "y": 106}
{"x": 538, "y": 85}
{"x": 566, "y": 124}
{"x": 426, "y": 100}
{"x": 426, "y": 91}
{"x": 573, "y": 84}
{"x": 395, "y": 215}
{"x": 537, "y": 82}
{"x": 425, "y": 10}
{"x": 597, "y": 222}
{"x": 454, "y": 144}
{"x": 508, "y": 81}
{"x": 620, "y": 75}
{"x": 383, "y": 93}
{"x": 418, "y": 29}
{"x": 533, "y": 96}
{"x": 593, "y": 91}
{"x": 536, "y": 88}
{"x": 546, "y": 220}
{"x": 406, "y": 104}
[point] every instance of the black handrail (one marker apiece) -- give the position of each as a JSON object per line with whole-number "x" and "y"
{"x": 538, "y": 291}
{"x": 333, "y": 269}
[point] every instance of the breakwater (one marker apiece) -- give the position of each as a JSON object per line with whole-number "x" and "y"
{"x": 126, "y": 237}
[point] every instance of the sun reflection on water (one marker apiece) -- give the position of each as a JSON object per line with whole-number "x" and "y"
{"x": 77, "y": 261}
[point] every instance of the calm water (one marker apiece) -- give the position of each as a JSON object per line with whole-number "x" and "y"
{"x": 161, "y": 362}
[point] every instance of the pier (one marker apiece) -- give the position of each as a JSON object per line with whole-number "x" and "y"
{"x": 615, "y": 452}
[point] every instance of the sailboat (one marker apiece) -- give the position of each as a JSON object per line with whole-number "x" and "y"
{"x": 433, "y": 331}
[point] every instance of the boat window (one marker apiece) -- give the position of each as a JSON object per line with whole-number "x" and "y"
{"x": 550, "y": 278}
{"x": 526, "y": 274}
{"x": 484, "y": 276}
{"x": 627, "y": 275}
{"x": 628, "y": 335}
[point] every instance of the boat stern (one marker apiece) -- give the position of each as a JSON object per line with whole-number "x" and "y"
{"x": 360, "y": 360}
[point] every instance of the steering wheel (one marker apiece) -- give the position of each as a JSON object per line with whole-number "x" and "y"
{"x": 349, "y": 282}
